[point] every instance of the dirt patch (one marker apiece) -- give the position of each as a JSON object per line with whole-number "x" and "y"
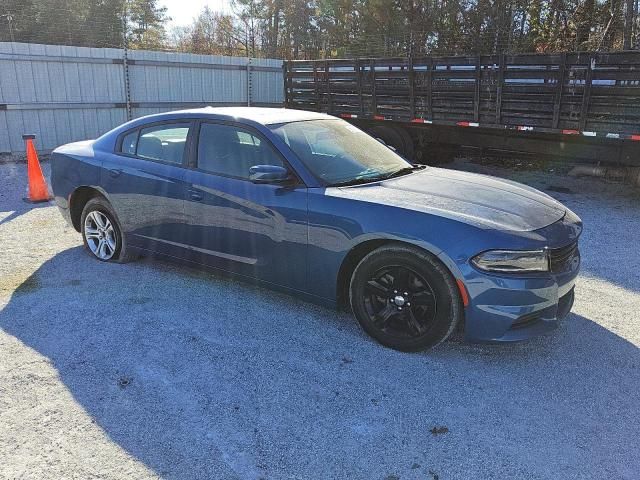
{"x": 439, "y": 430}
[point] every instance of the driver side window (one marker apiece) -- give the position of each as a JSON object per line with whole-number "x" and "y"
{"x": 231, "y": 151}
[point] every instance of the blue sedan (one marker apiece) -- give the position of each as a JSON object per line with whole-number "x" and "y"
{"x": 309, "y": 204}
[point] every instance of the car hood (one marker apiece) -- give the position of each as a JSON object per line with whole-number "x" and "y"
{"x": 480, "y": 200}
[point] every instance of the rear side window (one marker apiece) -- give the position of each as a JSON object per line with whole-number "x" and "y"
{"x": 129, "y": 142}
{"x": 163, "y": 142}
{"x": 231, "y": 151}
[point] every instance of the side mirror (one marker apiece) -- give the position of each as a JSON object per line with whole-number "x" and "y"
{"x": 268, "y": 174}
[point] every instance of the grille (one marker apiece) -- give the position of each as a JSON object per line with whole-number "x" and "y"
{"x": 560, "y": 259}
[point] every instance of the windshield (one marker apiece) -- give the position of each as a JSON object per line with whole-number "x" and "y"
{"x": 339, "y": 153}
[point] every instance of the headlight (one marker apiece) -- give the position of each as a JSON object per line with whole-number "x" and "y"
{"x": 512, "y": 261}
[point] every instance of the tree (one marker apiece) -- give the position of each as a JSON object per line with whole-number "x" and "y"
{"x": 212, "y": 33}
{"x": 103, "y": 24}
{"x": 334, "y": 28}
{"x": 146, "y": 20}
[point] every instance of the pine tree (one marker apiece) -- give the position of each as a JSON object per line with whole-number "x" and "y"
{"x": 146, "y": 21}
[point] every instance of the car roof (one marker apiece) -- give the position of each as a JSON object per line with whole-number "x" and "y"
{"x": 265, "y": 116}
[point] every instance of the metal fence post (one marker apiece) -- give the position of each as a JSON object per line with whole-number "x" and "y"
{"x": 248, "y": 81}
{"x": 125, "y": 65}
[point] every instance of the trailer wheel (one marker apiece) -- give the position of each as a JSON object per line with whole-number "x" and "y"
{"x": 396, "y": 137}
{"x": 436, "y": 153}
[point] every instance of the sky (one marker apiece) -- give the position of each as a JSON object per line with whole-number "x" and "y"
{"x": 182, "y": 12}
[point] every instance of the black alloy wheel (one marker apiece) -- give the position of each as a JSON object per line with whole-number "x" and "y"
{"x": 399, "y": 302}
{"x": 405, "y": 298}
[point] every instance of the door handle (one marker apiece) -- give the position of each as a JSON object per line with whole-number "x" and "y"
{"x": 115, "y": 172}
{"x": 195, "y": 195}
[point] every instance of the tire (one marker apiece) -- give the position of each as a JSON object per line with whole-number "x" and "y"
{"x": 408, "y": 143}
{"x": 438, "y": 154}
{"x": 395, "y": 137}
{"x": 114, "y": 240}
{"x": 376, "y": 291}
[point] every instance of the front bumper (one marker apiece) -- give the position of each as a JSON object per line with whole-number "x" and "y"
{"x": 509, "y": 309}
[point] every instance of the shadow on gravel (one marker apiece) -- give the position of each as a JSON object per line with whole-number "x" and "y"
{"x": 201, "y": 377}
{"x": 13, "y": 190}
{"x": 20, "y": 209}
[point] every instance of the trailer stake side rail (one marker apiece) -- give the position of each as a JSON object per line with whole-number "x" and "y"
{"x": 579, "y": 94}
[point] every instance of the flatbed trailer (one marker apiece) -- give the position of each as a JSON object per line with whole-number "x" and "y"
{"x": 580, "y": 105}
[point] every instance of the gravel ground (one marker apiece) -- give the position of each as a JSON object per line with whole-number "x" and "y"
{"x": 154, "y": 370}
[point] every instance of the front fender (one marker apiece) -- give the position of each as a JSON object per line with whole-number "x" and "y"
{"x": 337, "y": 226}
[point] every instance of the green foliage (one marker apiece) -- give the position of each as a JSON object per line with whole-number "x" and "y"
{"x": 146, "y": 21}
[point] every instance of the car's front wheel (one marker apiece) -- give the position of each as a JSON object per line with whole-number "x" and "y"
{"x": 101, "y": 232}
{"x": 405, "y": 298}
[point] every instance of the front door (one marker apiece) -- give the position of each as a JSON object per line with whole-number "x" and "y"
{"x": 257, "y": 230}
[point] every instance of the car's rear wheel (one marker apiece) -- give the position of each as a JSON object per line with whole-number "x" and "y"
{"x": 101, "y": 232}
{"x": 405, "y": 298}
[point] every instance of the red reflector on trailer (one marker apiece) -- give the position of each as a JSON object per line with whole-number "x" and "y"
{"x": 463, "y": 124}
{"x": 635, "y": 138}
{"x": 570, "y": 132}
{"x": 345, "y": 115}
{"x": 378, "y": 117}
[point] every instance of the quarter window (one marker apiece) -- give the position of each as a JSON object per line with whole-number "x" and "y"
{"x": 163, "y": 142}
{"x": 232, "y": 151}
{"x": 129, "y": 142}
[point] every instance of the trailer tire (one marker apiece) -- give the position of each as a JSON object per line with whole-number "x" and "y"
{"x": 408, "y": 145}
{"x": 395, "y": 137}
{"x": 437, "y": 153}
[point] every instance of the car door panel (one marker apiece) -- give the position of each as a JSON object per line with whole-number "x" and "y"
{"x": 256, "y": 230}
{"x": 149, "y": 200}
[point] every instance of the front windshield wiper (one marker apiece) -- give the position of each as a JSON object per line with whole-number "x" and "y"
{"x": 377, "y": 178}
{"x": 403, "y": 171}
{"x": 355, "y": 181}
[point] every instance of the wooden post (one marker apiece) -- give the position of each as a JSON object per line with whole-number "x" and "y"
{"x": 501, "y": 67}
{"x": 429, "y": 89}
{"x": 557, "y": 101}
{"x": 285, "y": 74}
{"x": 328, "y": 87}
{"x": 374, "y": 100}
{"x": 476, "y": 93}
{"x": 359, "y": 84}
{"x": 586, "y": 93}
{"x": 412, "y": 92}
{"x": 316, "y": 89}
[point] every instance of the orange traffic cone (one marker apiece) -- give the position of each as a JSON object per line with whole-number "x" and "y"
{"x": 38, "y": 191}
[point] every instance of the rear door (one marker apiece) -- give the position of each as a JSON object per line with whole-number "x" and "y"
{"x": 257, "y": 230}
{"x": 145, "y": 182}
